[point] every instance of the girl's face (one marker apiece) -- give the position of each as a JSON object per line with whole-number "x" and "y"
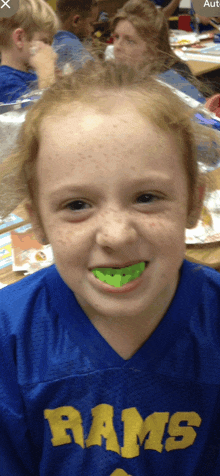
{"x": 112, "y": 192}
{"x": 129, "y": 47}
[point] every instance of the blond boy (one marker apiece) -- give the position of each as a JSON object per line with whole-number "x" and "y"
{"x": 27, "y": 59}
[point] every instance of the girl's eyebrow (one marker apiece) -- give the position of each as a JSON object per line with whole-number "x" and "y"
{"x": 85, "y": 188}
{"x": 153, "y": 179}
{"x": 127, "y": 37}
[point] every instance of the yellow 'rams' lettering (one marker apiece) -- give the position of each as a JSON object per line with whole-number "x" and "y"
{"x": 102, "y": 426}
{"x": 135, "y": 426}
{"x": 137, "y": 431}
{"x": 58, "y": 425}
{"x": 120, "y": 472}
{"x": 187, "y": 432}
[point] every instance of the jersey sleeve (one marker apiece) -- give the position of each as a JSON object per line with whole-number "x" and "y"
{"x": 12, "y": 89}
{"x": 16, "y": 452}
{"x": 71, "y": 52}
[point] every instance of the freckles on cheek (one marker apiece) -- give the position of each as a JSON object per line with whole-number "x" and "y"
{"x": 61, "y": 241}
{"x": 68, "y": 247}
{"x": 58, "y": 238}
{"x": 166, "y": 235}
{"x": 160, "y": 227}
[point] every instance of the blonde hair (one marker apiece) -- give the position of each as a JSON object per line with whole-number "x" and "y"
{"x": 32, "y": 16}
{"x": 101, "y": 85}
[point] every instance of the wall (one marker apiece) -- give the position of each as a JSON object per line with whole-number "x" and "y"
{"x": 185, "y": 4}
{"x": 52, "y": 3}
{"x": 112, "y": 6}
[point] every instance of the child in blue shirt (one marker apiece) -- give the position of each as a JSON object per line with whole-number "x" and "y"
{"x": 27, "y": 59}
{"x": 110, "y": 358}
{"x": 76, "y": 20}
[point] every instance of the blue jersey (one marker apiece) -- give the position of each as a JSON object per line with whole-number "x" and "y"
{"x": 15, "y": 83}
{"x": 70, "y": 50}
{"x": 178, "y": 81}
{"x": 71, "y": 406}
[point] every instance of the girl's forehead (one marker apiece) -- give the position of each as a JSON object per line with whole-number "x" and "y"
{"x": 87, "y": 137}
{"x": 115, "y": 120}
{"x": 126, "y": 27}
{"x": 79, "y": 118}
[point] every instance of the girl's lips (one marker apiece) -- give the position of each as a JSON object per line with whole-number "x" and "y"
{"x": 124, "y": 289}
{"x": 119, "y": 266}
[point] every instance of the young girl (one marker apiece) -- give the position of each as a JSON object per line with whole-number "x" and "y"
{"x": 110, "y": 358}
{"x": 150, "y": 27}
{"x": 141, "y": 36}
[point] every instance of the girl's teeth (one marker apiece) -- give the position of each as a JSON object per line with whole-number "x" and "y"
{"x": 118, "y": 277}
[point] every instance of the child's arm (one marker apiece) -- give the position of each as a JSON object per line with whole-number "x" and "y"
{"x": 43, "y": 59}
{"x": 207, "y": 20}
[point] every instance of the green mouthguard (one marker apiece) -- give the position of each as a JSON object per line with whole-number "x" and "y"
{"x": 119, "y": 277}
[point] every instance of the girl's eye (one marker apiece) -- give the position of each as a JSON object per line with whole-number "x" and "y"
{"x": 116, "y": 37}
{"x": 77, "y": 205}
{"x": 147, "y": 198}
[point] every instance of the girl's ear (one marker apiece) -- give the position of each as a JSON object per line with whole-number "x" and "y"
{"x": 196, "y": 210}
{"x": 36, "y": 224}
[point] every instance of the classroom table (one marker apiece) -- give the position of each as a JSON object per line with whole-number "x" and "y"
{"x": 198, "y": 68}
{"x": 209, "y": 253}
{"x": 7, "y": 276}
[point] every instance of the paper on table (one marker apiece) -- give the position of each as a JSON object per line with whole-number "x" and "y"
{"x": 27, "y": 253}
{"x": 10, "y": 220}
{"x": 208, "y": 227}
{"x": 5, "y": 240}
{"x": 185, "y": 39}
{"x": 200, "y": 57}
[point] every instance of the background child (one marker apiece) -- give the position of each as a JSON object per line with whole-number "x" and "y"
{"x": 151, "y": 29}
{"x": 141, "y": 36}
{"x": 110, "y": 359}
{"x": 76, "y": 19}
{"x": 35, "y": 21}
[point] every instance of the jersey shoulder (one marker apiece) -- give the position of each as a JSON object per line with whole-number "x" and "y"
{"x": 17, "y": 298}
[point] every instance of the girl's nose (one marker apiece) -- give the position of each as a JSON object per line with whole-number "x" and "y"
{"x": 115, "y": 232}
{"x": 117, "y": 44}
